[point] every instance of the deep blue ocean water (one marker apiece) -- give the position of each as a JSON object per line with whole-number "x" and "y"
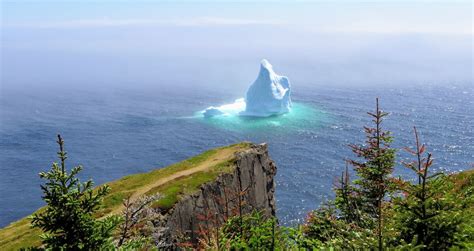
{"x": 120, "y": 131}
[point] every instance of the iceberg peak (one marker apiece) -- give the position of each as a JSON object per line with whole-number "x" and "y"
{"x": 269, "y": 94}
{"x": 265, "y": 64}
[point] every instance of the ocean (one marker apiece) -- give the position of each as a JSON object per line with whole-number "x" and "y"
{"x": 119, "y": 131}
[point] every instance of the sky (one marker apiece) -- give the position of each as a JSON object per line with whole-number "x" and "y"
{"x": 350, "y": 16}
{"x": 185, "y": 43}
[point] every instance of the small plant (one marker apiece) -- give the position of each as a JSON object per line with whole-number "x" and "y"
{"x": 68, "y": 219}
{"x": 136, "y": 216}
{"x": 209, "y": 222}
{"x": 251, "y": 232}
{"x": 208, "y": 227}
{"x": 348, "y": 201}
{"x": 327, "y": 230}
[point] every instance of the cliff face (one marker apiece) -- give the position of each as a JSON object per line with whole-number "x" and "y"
{"x": 249, "y": 187}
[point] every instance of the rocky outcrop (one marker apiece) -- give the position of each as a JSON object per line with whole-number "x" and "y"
{"x": 250, "y": 186}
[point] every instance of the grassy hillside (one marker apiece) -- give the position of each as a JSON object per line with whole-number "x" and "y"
{"x": 463, "y": 180}
{"x": 171, "y": 182}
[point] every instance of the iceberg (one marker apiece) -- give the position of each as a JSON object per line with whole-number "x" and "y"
{"x": 270, "y": 94}
{"x": 228, "y": 109}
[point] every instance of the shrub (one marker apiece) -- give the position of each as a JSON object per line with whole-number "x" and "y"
{"x": 329, "y": 231}
{"x": 253, "y": 231}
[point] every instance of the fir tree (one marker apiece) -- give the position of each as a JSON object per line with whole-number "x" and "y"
{"x": 428, "y": 214}
{"x": 68, "y": 219}
{"x": 375, "y": 169}
{"x": 347, "y": 200}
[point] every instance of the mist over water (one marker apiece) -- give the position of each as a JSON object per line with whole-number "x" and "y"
{"x": 195, "y": 57}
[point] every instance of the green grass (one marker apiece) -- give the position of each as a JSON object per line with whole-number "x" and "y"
{"x": 172, "y": 191}
{"x": 121, "y": 188}
{"x": 19, "y": 234}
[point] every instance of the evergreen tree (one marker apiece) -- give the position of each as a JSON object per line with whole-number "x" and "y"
{"x": 347, "y": 201}
{"x": 428, "y": 214}
{"x": 375, "y": 169}
{"x": 68, "y": 219}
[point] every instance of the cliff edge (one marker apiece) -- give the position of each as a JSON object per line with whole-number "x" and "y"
{"x": 250, "y": 186}
{"x": 207, "y": 188}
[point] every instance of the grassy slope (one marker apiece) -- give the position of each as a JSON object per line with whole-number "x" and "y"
{"x": 463, "y": 180}
{"x": 172, "y": 182}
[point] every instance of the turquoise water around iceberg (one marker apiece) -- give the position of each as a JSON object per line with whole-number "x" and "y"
{"x": 301, "y": 116}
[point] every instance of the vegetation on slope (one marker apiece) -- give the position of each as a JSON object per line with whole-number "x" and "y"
{"x": 375, "y": 211}
{"x": 171, "y": 182}
{"x": 324, "y": 229}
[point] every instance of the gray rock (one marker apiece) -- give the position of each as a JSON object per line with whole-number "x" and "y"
{"x": 252, "y": 179}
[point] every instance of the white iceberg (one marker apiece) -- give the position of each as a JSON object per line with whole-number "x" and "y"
{"x": 270, "y": 94}
{"x": 228, "y": 109}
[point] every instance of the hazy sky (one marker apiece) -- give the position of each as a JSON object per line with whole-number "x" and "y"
{"x": 349, "y": 16}
{"x": 210, "y": 42}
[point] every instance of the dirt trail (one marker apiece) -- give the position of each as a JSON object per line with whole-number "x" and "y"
{"x": 221, "y": 156}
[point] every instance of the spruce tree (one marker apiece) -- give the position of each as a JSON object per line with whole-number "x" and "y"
{"x": 68, "y": 219}
{"x": 375, "y": 169}
{"x": 347, "y": 200}
{"x": 430, "y": 213}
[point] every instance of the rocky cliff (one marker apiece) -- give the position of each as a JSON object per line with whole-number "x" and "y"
{"x": 250, "y": 186}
